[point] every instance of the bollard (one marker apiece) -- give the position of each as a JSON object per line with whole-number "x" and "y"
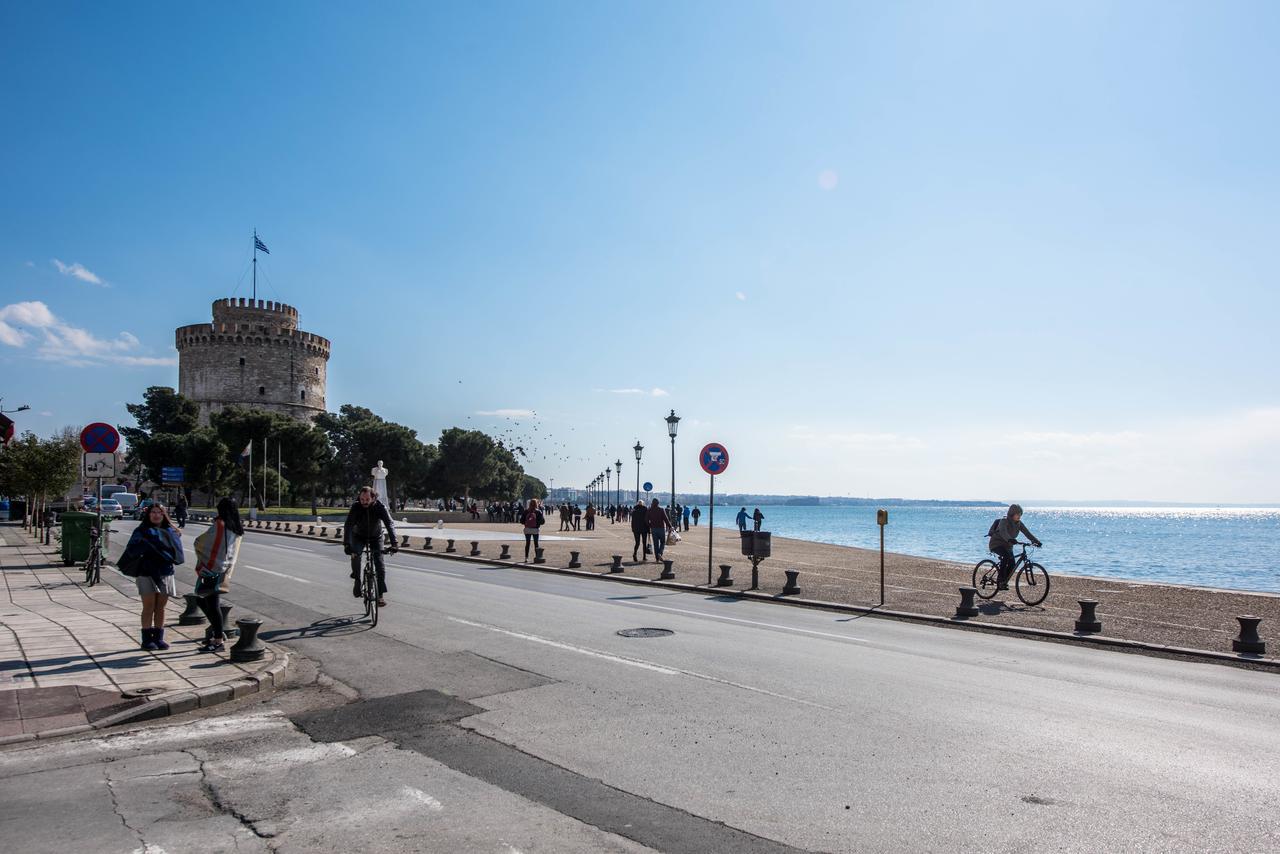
{"x": 299, "y": 527}
{"x": 475, "y": 548}
{"x": 311, "y": 530}
{"x": 337, "y": 532}
{"x": 725, "y": 580}
{"x": 277, "y": 525}
{"x": 574, "y": 563}
{"x": 1249, "y": 642}
{"x": 506, "y": 552}
{"x": 449, "y": 547}
{"x": 323, "y": 531}
{"x": 426, "y": 544}
{"x": 966, "y": 608}
{"x": 666, "y": 574}
{"x": 792, "y": 587}
{"x": 248, "y": 648}
{"x": 192, "y": 616}
{"x": 538, "y": 556}
{"x": 616, "y": 566}
{"x": 1088, "y": 621}
{"x": 405, "y": 543}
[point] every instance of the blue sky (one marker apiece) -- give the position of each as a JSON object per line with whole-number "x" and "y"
{"x": 953, "y": 250}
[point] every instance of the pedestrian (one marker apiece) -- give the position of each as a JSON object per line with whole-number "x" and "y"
{"x": 640, "y": 530}
{"x": 686, "y": 517}
{"x": 591, "y": 517}
{"x": 216, "y": 552}
{"x": 154, "y": 548}
{"x": 180, "y": 511}
{"x": 757, "y": 517}
{"x": 658, "y": 525}
{"x": 697, "y": 514}
{"x": 533, "y": 520}
{"x": 577, "y": 517}
{"x": 742, "y": 519}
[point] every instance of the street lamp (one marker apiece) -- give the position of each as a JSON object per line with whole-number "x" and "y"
{"x": 673, "y": 422}
{"x": 608, "y": 482}
{"x": 23, "y": 408}
{"x": 618, "y": 468}
{"x": 639, "y": 449}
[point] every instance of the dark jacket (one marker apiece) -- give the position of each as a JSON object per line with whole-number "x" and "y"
{"x": 366, "y": 523}
{"x": 159, "y": 548}
{"x": 658, "y": 518}
{"x": 535, "y": 516}
{"x": 1005, "y": 531}
{"x": 639, "y": 520}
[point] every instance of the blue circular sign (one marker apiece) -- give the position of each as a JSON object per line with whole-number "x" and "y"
{"x": 714, "y": 458}
{"x": 648, "y": 487}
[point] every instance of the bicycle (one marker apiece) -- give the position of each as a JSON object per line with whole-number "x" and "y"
{"x": 93, "y": 566}
{"x": 369, "y": 584}
{"x": 1031, "y": 580}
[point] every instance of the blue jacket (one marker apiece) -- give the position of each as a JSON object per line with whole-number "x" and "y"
{"x": 160, "y": 548}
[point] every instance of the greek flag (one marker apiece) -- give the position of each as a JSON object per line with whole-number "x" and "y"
{"x": 259, "y": 245}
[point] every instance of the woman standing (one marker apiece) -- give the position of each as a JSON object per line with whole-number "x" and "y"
{"x": 533, "y": 520}
{"x": 216, "y": 553}
{"x": 156, "y": 545}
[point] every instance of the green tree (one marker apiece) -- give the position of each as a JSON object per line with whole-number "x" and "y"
{"x": 531, "y": 487}
{"x": 470, "y": 463}
{"x": 164, "y": 419}
{"x": 40, "y": 468}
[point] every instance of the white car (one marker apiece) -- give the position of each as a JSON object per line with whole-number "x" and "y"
{"x": 111, "y": 509}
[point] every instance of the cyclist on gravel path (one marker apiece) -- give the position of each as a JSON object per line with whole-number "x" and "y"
{"x": 364, "y": 527}
{"x": 1001, "y": 537}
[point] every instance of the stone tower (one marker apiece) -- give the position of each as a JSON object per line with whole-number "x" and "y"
{"x": 252, "y": 355}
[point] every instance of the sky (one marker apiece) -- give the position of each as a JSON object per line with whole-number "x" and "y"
{"x": 989, "y": 250}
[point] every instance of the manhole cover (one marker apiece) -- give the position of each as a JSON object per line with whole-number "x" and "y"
{"x": 141, "y": 692}
{"x": 645, "y": 633}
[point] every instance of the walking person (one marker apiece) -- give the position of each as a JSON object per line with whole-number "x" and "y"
{"x": 640, "y": 530}
{"x": 686, "y": 517}
{"x": 155, "y": 547}
{"x": 757, "y": 517}
{"x": 533, "y": 520}
{"x": 591, "y": 517}
{"x": 180, "y": 511}
{"x": 697, "y": 514}
{"x": 658, "y": 526}
{"x": 742, "y": 519}
{"x": 577, "y": 517}
{"x": 216, "y": 553}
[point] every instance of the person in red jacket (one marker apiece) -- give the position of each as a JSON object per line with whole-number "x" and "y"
{"x": 533, "y": 520}
{"x": 658, "y": 525}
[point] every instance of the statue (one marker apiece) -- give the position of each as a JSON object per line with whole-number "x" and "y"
{"x": 380, "y": 484}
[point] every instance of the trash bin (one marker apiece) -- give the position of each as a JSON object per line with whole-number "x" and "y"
{"x": 756, "y": 544}
{"x": 17, "y": 510}
{"x": 75, "y": 535}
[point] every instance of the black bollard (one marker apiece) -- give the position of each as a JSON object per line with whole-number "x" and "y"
{"x": 1088, "y": 621}
{"x": 792, "y": 587}
{"x": 449, "y": 546}
{"x": 475, "y": 548}
{"x": 324, "y": 531}
{"x": 226, "y": 619}
{"x": 311, "y": 530}
{"x": 337, "y": 532}
{"x": 506, "y": 552}
{"x": 426, "y": 544}
{"x": 277, "y": 526}
{"x": 966, "y": 608}
{"x": 538, "y": 556}
{"x": 616, "y": 566}
{"x": 248, "y": 648}
{"x": 1249, "y": 642}
{"x": 405, "y": 543}
{"x": 192, "y": 616}
{"x": 725, "y": 579}
{"x": 574, "y": 563}
{"x": 666, "y": 574}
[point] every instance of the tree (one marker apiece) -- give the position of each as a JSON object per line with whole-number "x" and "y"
{"x": 531, "y": 487}
{"x": 40, "y": 468}
{"x": 470, "y": 462}
{"x": 164, "y": 419}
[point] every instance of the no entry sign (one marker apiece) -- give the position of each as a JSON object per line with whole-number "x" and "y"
{"x": 714, "y": 458}
{"x": 99, "y": 438}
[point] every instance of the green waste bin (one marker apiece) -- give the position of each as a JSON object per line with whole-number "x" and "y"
{"x": 75, "y": 535}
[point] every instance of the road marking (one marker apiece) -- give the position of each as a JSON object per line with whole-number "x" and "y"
{"x": 423, "y": 798}
{"x": 290, "y": 548}
{"x": 273, "y": 572}
{"x": 424, "y": 569}
{"x": 748, "y": 622}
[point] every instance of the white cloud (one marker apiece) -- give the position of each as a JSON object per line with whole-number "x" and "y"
{"x": 856, "y": 440}
{"x": 61, "y": 342}
{"x": 740, "y": 295}
{"x": 509, "y": 413}
{"x": 79, "y": 271}
{"x": 46, "y": 413}
{"x": 653, "y": 392}
{"x": 659, "y": 392}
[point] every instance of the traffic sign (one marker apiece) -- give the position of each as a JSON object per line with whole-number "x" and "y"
{"x": 173, "y": 474}
{"x": 648, "y": 487}
{"x": 99, "y": 465}
{"x": 99, "y": 438}
{"x": 714, "y": 458}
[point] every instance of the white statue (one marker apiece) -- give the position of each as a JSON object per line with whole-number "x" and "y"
{"x": 380, "y": 484}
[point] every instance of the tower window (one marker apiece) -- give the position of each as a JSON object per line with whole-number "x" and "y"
{"x": 317, "y": 372}
{"x": 262, "y": 389}
{"x": 302, "y": 394}
{"x": 242, "y": 361}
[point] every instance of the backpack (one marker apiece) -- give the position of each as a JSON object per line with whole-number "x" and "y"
{"x": 531, "y": 519}
{"x": 991, "y": 532}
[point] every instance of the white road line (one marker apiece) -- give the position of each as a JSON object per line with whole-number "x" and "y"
{"x": 289, "y": 548}
{"x": 424, "y": 569}
{"x": 273, "y": 572}
{"x": 747, "y": 622}
{"x": 423, "y": 798}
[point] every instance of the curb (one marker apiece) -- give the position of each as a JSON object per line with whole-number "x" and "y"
{"x": 968, "y": 624}
{"x": 176, "y": 702}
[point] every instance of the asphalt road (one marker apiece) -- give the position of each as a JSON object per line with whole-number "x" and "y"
{"x": 806, "y": 728}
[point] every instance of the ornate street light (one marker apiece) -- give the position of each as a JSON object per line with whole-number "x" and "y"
{"x": 608, "y": 482}
{"x": 617, "y": 466}
{"x": 673, "y": 422}
{"x": 639, "y": 449}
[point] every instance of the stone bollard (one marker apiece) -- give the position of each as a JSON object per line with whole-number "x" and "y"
{"x": 191, "y": 616}
{"x": 666, "y": 574}
{"x": 405, "y": 542}
{"x": 538, "y": 556}
{"x": 792, "y": 587}
{"x": 506, "y": 552}
{"x": 311, "y": 530}
{"x": 248, "y": 648}
{"x": 966, "y": 608}
{"x": 475, "y": 548}
{"x": 616, "y": 566}
{"x": 226, "y": 617}
{"x": 574, "y": 563}
{"x": 1249, "y": 642}
{"x": 1088, "y": 621}
{"x": 449, "y": 547}
{"x": 725, "y": 579}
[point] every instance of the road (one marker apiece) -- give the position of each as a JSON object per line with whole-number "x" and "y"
{"x": 752, "y": 726}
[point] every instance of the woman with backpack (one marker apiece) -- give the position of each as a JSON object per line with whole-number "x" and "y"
{"x": 216, "y": 553}
{"x": 154, "y": 548}
{"x": 533, "y": 520}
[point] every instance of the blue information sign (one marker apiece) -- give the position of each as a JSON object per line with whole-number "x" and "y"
{"x": 173, "y": 474}
{"x": 648, "y": 487}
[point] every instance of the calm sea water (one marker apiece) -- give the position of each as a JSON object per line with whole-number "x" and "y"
{"x": 1231, "y": 548}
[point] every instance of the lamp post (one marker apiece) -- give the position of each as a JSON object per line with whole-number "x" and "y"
{"x": 608, "y": 482}
{"x": 673, "y": 422}
{"x": 639, "y": 449}
{"x": 618, "y": 468}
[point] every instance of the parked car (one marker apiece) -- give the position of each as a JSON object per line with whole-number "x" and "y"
{"x": 128, "y": 501}
{"x": 141, "y": 509}
{"x": 111, "y": 509}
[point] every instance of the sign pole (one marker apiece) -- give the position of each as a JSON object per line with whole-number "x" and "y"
{"x": 711, "y": 527}
{"x": 882, "y": 566}
{"x": 98, "y": 506}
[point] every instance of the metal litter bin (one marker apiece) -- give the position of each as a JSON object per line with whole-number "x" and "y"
{"x": 76, "y": 526}
{"x": 756, "y": 544}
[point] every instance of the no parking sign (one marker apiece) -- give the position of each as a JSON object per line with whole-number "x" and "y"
{"x": 714, "y": 458}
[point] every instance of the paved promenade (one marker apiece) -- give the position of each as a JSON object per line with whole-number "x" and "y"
{"x": 69, "y": 656}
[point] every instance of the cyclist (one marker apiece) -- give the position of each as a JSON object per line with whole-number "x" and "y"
{"x": 364, "y": 528}
{"x": 1001, "y": 537}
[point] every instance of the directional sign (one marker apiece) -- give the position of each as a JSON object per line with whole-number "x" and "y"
{"x": 648, "y": 487}
{"x": 99, "y": 465}
{"x": 714, "y": 458}
{"x": 99, "y": 438}
{"x": 173, "y": 474}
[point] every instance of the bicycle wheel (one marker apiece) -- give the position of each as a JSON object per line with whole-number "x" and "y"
{"x": 1032, "y": 584}
{"x": 88, "y": 571}
{"x": 371, "y": 593}
{"x": 986, "y": 577}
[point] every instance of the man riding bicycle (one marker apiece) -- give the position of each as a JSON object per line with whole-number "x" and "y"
{"x": 364, "y": 528}
{"x": 1002, "y": 535}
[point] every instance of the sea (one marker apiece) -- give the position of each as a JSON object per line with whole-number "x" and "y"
{"x": 1233, "y": 548}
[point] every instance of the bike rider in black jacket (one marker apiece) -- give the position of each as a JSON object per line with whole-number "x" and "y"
{"x": 364, "y": 527}
{"x": 1003, "y": 534}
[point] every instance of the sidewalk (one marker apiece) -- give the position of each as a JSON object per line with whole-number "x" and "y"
{"x": 69, "y": 656}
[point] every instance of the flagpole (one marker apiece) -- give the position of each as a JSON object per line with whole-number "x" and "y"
{"x": 251, "y": 473}
{"x": 279, "y": 479}
{"x": 255, "y": 267}
{"x": 265, "y": 466}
